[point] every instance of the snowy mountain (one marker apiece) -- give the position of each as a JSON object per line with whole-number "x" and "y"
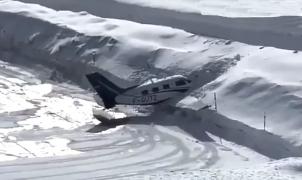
{"x": 47, "y": 128}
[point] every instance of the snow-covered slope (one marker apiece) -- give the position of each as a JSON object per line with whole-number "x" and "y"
{"x": 282, "y": 32}
{"x": 59, "y": 39}
{"x": 62, "y": 40}
{"x": 230, "y": 8}
{"x": 268, "y": 81}
{"x": 249, "y": 80}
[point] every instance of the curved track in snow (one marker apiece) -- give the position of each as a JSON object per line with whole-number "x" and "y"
{"x": 106, "y": 158}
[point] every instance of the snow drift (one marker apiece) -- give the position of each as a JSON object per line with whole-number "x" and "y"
{"x": 267, "y": 30}
{"x": 60, "y": 40}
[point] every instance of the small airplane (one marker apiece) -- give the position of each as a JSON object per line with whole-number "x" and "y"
{"x": 151, "y": 92}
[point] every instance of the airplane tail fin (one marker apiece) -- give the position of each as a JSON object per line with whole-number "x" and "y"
{"x": 105, "y": 88}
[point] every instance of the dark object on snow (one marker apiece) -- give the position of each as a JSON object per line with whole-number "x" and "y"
{"x": 206, "y": 107}
{"x": 228, "y": 42}
{"x": 237, "y": 57}
{"x": 108, "y": 119}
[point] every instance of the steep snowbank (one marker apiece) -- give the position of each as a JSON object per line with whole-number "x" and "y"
{"x": 76, "y": 43}
{"x": 233, "y": 8}
{"x": 267, "y": 82}
{"x": 281, "y": 32}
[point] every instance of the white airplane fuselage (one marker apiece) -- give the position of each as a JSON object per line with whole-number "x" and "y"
{"x": 149, "y": 93}
{"x": 154, "y": 93}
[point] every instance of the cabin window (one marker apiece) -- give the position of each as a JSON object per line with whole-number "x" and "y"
{"x": 155, "y": 89}
{"x": 145, "y": 92}
{"x": 166, "y": 86}
{"x": 180, "y": 83}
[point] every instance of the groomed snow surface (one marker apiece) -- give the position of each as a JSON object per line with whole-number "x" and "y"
{"x": 47, "y": 129}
